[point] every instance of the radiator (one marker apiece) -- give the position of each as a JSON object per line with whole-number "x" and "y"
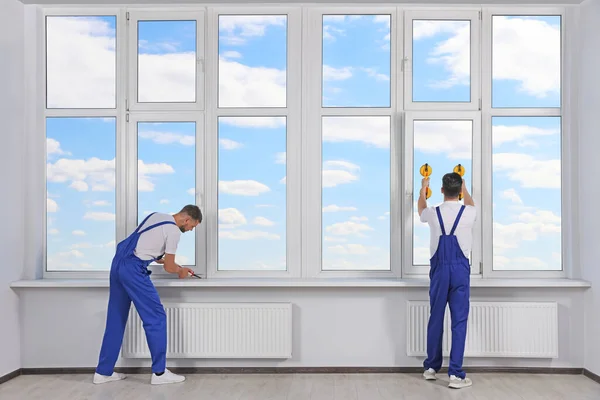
{"x": 218, "y": 330}
{"x": 494, "y": 329}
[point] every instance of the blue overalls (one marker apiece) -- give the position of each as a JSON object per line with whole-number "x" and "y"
{"x": 450, "y": 276}
{"x": 130, "y": 281}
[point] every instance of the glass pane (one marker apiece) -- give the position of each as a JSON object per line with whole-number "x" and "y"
{"x": 80, "y": 183}
{"x": 81, "y": 62}
{"x": 442, "y": 145}
{"x": 167, "y": 175}
{"x": 526, "y": 53}
{"x": 527, "y": 193}
{"x": 167, "y": 61}
{"x": 252, "y": 193}
{"x": 356, "y": 193}
{"x": 441, "y": 64}
{"x": 356, "y": 61}
{"x": 252, "y": 60}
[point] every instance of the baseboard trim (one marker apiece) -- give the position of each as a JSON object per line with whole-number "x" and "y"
{"x": 9, "y": 376}
{"x": 591, "y": 375}
{"x": 301, "y": 370}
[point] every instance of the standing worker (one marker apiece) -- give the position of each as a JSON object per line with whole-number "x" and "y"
{"x": 449, "y": 275}
{"x": 156, "y": 236}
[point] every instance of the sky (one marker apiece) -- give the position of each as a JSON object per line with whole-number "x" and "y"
{"x": 252, "y": 150}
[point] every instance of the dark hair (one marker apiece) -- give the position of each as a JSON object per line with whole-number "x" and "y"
{"x": 193, "y": 212}
{"x": 452, "y": 184}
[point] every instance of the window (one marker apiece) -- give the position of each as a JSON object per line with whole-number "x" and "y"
{"x": 255, "y": 143}
{"x": 166, "y": 60}
{"x": 524, "y": 228}
{"x": 166, "y": 175}
{"x": 441, "y": 61}
{"x": 300, "y": 132}
{"x": 80, "y": 203}
{"x": 441, "y": 141}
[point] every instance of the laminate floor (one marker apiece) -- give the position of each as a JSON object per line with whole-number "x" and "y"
{"x": 486, "y": 386}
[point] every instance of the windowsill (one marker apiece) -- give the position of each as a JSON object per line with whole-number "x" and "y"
{"x": 311, "y": 283}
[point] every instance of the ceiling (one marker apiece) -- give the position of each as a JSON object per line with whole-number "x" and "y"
{"x": 246, "y": 2}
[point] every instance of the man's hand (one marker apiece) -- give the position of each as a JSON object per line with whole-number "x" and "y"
{"x": 422, "y": 202}
{"x": 184, "y": 273}
{"x": 425, "y": 183}
{"x": 467, "y": 199}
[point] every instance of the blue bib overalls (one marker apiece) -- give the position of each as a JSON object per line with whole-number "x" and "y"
{"x": 130, "y": 281}
{"x": 449, "y": 276}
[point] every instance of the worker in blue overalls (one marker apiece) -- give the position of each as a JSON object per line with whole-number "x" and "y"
{"x": 157, "y": 236}
{"x": 449, "y": 274}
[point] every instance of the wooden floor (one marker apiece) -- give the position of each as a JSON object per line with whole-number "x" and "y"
{"x": 304, "y": 387}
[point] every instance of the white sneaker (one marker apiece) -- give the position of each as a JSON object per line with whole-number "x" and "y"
{"x": 167, "y": 377}
{"x": 103, "y": 378}
{"x": 457, "y": 383}
{"x": 430, "y": 374}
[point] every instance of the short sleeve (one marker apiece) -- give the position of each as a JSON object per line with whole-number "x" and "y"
{"x": 426, "y": 215}
{"x": 172, "y": 241}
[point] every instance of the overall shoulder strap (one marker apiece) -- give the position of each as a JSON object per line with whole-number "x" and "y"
{"x": 439, "y": 215}
{"x": 157, "y": 225}
{"x": 457, "y": 219}
{"x": 143, "y": 222}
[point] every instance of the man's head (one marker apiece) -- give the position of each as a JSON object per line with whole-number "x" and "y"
{"x": 451, "y": 186}
{"x": 188, "y": 218}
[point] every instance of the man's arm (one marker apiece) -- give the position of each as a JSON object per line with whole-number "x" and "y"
{"x": 422, "y": 203}
{"x": 169, "y": 264}
{"x": 468, "y": 200}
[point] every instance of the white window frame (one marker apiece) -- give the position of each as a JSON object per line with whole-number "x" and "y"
{"x": 117, "y": 112}
{"x": 488, "y": 112}
{"x": 199, "y": 267}
{"x": 133, "y": 16}
{"x": 293, "y": 139}
{"x": 474, "y": 16}
{"x": 422, "y": 271}
{"x": 313, "y": 113}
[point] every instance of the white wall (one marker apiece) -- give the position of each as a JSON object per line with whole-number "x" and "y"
{"x": 351, "y": 327}
{"x": 11, "y": 162}
{"x": 589, "y": 170}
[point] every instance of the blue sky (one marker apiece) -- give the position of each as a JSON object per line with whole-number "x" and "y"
{"x": 252, "y": 159}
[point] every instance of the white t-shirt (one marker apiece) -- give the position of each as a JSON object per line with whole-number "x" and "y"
{"x": 159, "y": 240}
{"x": 449, "y": 211}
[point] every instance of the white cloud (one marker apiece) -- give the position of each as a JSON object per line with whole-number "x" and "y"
{"x": 262, "y": 221}
{"x": 508, "y": 237}
{"x": 80, "y": 186}
{"x": 228, "y": 144}
{"x": 164, "y": 201}
{"x": 336, "y": 74}
{"x": 347, "y": 265}
{"x": 231, "y": 218}
{"x": 520, "y": 263}
{"x": 99, "y": 216}
{"x": 51, "y": 206}
{"x": 243, "y": 187}
{"x": 231, "y": 54}
{"x": 521, "y": 134}
{"x": 191, "y": 191}
{"x": 334, "y": 239}
{"x": 100, "y": 203}
{"x": 247, "y": 235}
{"x": 374, "y": 131}
{"x": 168, "y": 137}
{"x": 454, "y": 54}
{"x": 99, "y": 174}
{"x": 348, "y": 228}
{"x": 78, "y": 233}
{"x": 354, "y": 249}
{"x": 451, "y": 138}
{"x": 338, "y": 172}
{"x": 237, "y": 29}
{"x": 384, "y": 216}
{"x": 336, "y": 208}
{"x": 358, "y": 219}
{"x": 512, "y": 195}
{"x": 53, "y": 147}
{"x": 528, "y": 171}
{"x": 53, "y": 232}
{"x": 280, "y": 158}
{"x": 341, "y": 164}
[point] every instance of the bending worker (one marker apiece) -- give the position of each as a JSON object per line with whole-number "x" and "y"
{"x": 451, "y": 226}
{"x": 156, "y": 236}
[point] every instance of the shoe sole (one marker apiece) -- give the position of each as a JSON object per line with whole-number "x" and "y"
{"x": 459, "y": 386}
{"x": 166, "y": 383}
{"x": 429, "y": 378}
